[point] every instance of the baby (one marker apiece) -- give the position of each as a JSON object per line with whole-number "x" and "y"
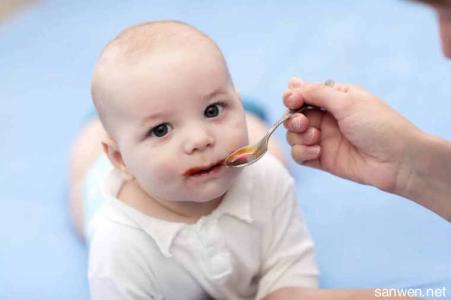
{"x": 176, "y": 223}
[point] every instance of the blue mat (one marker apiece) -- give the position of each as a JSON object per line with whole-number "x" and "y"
{"x": 365, "y": 238}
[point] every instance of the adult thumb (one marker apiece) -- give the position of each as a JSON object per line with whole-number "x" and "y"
{"x": 333, "y": 99}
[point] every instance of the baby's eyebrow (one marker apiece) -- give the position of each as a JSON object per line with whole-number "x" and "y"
{"x": 215, "y": 93}
{"x": 147, "y": 119}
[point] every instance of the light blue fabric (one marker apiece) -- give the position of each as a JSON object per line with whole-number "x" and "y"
{"x": 365, "y": 238}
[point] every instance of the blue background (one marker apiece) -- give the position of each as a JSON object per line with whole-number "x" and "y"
{"x": 365, "y": 238}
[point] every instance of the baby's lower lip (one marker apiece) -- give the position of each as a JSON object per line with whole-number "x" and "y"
{"x": 198, "y": 173}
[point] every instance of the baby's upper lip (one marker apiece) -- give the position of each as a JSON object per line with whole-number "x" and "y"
{"x": 195, "y": 170}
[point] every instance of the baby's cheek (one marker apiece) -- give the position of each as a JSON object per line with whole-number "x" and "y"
{"x": 238, "y": 135}
{"x": 164, "y": 171}
{"x": 234, "y": 129}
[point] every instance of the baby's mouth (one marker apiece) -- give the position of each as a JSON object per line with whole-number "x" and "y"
{"x": 196, "y": 171}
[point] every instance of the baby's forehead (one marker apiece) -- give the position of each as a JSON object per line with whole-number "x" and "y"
{"x": 138, "y": 45}
{"x": 150, "y": 43}
{"x": 143, "y": 40}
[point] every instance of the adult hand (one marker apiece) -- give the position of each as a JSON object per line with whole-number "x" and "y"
{"x": 358, "y": 136}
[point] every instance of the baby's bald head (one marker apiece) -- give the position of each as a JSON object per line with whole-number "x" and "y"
{"x": 134, "y": 46}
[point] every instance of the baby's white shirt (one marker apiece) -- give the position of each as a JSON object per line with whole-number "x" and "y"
{"x": 253, "y": 243}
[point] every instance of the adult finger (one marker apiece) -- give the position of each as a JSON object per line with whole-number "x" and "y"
{"x": 342, "y": 87}
{"x": 297, "y": 123}
{"x": 295, "y": 82}
{"x": 292, "y": 99}
{"x": 308, "y": 138}
{"x": 333, "y": 100}
{"x": 302, "y": 154}
{"x": 315, "y": 117}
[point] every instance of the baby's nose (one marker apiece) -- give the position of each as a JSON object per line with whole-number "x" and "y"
{"x": 199, "y": 140}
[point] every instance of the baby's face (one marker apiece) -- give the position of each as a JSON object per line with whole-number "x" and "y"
{"x": 177, "y": 118}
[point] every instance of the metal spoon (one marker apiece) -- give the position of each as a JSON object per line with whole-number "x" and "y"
{"x": 249, "y": 154}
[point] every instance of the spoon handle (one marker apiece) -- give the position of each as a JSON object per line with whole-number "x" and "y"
{"x": 304, "y": 108}
{"x": 288, "y": 114}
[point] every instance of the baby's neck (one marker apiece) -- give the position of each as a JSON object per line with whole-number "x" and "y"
{"x": 172, "y": 211}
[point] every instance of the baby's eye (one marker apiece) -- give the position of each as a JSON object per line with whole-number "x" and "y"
{"x": 213, "y": 110}
{"x": 160, "y": 130}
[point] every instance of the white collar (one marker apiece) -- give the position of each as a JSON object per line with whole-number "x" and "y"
{"x": 236, "y": 203}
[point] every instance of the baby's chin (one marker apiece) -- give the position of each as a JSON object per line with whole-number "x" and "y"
{"x": 207, "y": 195}
{"x": 212, "y": 190}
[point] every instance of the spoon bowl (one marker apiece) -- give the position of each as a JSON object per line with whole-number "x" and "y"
{"x": 249, "y": 154}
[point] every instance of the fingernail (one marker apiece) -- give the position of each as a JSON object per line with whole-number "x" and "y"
{"x": 296, "y": 124}
{"x": 291, "y": 101}
{"x": 295, "y": 82}
{"x": 311, "y": 133}
{"x": 287, "y": 94}
{"x": 313, "y": 150}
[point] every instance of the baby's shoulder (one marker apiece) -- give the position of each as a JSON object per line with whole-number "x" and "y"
{"x": 116, "y": 235}
{"x": 120, "y": 256}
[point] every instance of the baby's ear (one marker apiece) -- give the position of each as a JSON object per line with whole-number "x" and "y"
{"x": 111, "y": 149}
